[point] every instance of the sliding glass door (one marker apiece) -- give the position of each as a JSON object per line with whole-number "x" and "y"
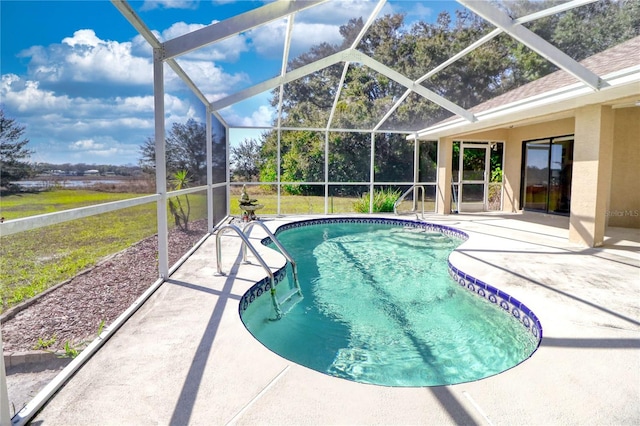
{"x": 547, "y": 170}
{"x": 560, "y": 169}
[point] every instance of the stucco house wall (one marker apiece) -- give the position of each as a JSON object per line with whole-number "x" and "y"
{"x": 624, "y": 205}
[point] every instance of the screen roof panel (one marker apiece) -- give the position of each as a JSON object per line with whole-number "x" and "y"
{"x": 245, "y": 58}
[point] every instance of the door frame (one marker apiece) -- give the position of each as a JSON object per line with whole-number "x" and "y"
{"x": 523, "y": 174}
{"x": 474, "y": 206}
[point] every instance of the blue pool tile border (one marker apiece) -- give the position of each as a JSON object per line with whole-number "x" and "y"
{"x": 507, "y": 303}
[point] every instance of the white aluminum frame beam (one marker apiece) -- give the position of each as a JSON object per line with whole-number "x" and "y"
{"x": 349, "y": 55}
{"x": 418, "y": 88}
{"x": 534, "y": 42}
{"x": 161, "y": 165}
{"x": 283, "y": 72}
{"x": 136, "y": 22}
{"x": 345, "y": 55}
{"x": 234, "y": 25}
{"x": 355, "y": 43}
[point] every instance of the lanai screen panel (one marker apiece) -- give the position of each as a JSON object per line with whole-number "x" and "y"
{"x": 394, "y": 158}
{"x": 255, "y": 112}
{"x": 307, "y": 101}
{"x": 591, "y": 28}
{"x": 349, "y": 157}
{"x": 365, "y": 97}
{"x": 326, "y": 29}
{"x": 302, "y": 158}
{"x": 414, "y": 113}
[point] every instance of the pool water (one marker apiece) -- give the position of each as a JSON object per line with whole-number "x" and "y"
{"x": 379, "y": 307}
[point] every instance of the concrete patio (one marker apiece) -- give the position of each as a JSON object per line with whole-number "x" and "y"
{"x": 186, "y": 358}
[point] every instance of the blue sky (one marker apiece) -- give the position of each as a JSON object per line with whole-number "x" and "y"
{"x": 78, "y": 76}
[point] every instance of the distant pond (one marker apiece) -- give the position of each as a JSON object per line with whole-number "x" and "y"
{"x": 68, "y": 183}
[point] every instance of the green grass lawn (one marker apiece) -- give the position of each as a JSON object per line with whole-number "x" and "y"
{"x": 32, "y": 261}
{"x": 35, "y": 203}
{"x": 296, "y": 204}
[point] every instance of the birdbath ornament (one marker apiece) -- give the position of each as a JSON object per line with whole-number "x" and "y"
{"x": 248, "y": 205}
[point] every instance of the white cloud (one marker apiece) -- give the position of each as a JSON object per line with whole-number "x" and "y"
{"x": 135, "y": 104}
{"x": 140, "y": 47}
{"x": 268, "y": 40}
{"x": 86, "y": 144}
{"x": 320, "y": 24}
{"x": 181, "y": 28}
{"x": 207, "y": 76}
{"x": 82, "y": 38}
{"x": 337, "y": 12}
{"x": 63, "y": 129}
{"x": 169, "y": 4}
{"x": 25, "y": 96}
{"x": 89, "y": 96}
{"x": 227, "y": 50}
{"x": 86, "y": 58}
{"x": 262, "y": 116}
{"x": 101, "y": 151}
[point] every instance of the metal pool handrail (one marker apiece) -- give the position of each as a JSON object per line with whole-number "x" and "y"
{"x": 402, "y": 197}
{"x": 247, "y": 243}
{"x": 284, "y": 251}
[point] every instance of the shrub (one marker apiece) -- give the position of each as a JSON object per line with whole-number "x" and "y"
{"x": 383, "y": 201}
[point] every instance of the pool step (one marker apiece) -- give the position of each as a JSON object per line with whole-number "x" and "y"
{"x": 290, "y": 299}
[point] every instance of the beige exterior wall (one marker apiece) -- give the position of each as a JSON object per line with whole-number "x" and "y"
{"x": 591, "y": 180}
{"x": 624, "y": 205}
{"x": 549, "y": 129}
{"x": 443, "y": 192}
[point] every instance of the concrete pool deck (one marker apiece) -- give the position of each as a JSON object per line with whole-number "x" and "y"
{"x": 185, "y": 357}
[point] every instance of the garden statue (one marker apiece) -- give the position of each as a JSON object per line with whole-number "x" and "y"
{"x": 248, "y": 205}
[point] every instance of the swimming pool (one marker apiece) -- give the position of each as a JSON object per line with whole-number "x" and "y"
{"x": 380, "y": 307}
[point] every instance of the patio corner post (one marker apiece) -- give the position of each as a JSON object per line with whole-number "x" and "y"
{"x": 326, "y": 173}
{"x": 161, "y": 163}
{"x": 372, "y": 170}
{"x": 416, "y": 170}
{"x": 592, "y": 170}
{"x": 209, "y": 148}
{"x": 227, "y": 169}
{"x": 445, "y": 156}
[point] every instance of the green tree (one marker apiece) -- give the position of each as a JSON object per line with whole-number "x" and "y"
{"x": 302, "y": 160}
{"x": 186, "y": 149}
{"x": 13, "y": 151}
{"x": 246, "y": 160}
